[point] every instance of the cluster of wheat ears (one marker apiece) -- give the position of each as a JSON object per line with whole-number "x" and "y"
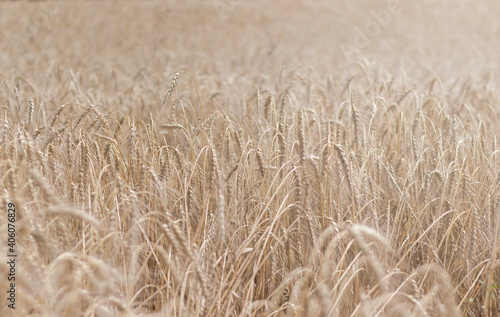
{"x": 317, "y": 200}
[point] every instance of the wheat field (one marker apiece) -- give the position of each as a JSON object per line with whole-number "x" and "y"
{"x": 250, "y": 158}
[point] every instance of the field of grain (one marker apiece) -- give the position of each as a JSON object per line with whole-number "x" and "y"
{"x": 250, "y": 158}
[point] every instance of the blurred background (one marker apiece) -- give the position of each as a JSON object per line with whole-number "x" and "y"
{"x": 233, "y": 47}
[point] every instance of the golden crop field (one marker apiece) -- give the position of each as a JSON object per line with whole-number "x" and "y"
{"x": 249, "y": 158}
